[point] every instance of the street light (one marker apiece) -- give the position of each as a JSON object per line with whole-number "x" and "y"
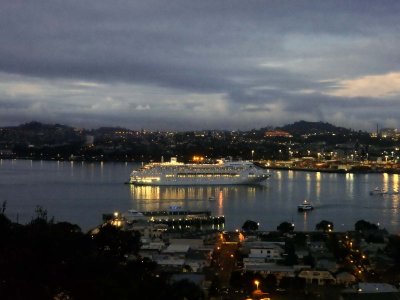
{"x": 252, "y": 155}
{"x": 256, "y": 282}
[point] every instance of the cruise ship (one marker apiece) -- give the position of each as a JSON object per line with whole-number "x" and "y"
{"x": 177, "y": 173}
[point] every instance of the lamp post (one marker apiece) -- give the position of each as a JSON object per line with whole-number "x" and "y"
{"x": 252, "y": 155}
{"x": 256, "y": 282}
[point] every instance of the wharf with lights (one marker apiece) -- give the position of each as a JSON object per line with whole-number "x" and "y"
{"x": 175, "y": 217}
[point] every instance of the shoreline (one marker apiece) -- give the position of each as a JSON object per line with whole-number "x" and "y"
{"x": 341, "y": 171}
{"x": 354, "y": 170}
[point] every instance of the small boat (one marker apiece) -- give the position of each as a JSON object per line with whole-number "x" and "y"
{"x": 378, "y": 191}
{"x": 134, "y": 215}
{"x": 305, "y": 206}
{"x": 211, "y": 198}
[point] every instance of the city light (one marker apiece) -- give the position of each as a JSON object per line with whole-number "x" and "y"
{"x": 198, "y": 159}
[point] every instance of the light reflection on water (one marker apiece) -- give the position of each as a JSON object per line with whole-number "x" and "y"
{"x": 80, "y": 192}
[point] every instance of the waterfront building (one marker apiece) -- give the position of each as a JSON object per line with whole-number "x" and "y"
{"x": 277, "y": 133}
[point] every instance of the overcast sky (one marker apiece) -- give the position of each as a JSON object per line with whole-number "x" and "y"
{"x": 209, "y": 64}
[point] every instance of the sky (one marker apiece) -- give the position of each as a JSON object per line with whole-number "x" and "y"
{"x": 209, "y": 64}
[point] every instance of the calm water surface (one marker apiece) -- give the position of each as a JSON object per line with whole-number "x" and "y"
{"x": 81, "y": 192}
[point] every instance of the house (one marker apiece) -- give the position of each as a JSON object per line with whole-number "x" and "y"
{"x": 301, "y": 253}
{"x": 369, "y": 290}
{"x": 193, "y": 243}
{"x": 197, "y": 279}
{"x": 270, "y": 268}
{"x": 269, "y": 251}
{"x": 148, "y": 231}
{"x": 150, "y": 249}
{"x": 320, "y": 277}
{"x": 169, "y": 261}
{"x": 345, "y": 278}
{"x": 173, "y": 256}
{"x": 317, "y": 246}
{"x": 327, "y": 264}
{"x": 198, "y": 259}
{"x": 176, "y": 249}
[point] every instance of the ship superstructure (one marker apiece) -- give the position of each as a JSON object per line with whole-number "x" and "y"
{"x": 177, "y": 173}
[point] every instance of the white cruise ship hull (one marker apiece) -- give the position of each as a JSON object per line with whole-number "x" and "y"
{"x": 171, "y": 182}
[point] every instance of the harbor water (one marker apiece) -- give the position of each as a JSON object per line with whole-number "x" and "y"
{"x": 80, "y": 192}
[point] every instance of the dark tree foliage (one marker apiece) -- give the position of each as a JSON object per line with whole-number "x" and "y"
{"x": 299, "y": 283}
{"x": 317, "y": 237}
{"x": 285, "y": 227}
{"x": 393, "y": 248}
{"x": 185, "y": 289}
{"x": 290, "y": 254}
{"x": 49, "y": 260}
{"x": 362, "y": 225}
{"x": 337, "y": 248}
{"x": 271, "y": 237}
{"x": 300, "y": 239}
{"x": 215, "y": 284}
{"x": 3, "y": 207}
{"x": 286, "y": 282}
{"x": 250, "y": 226}
{"x": 374, "y": 238}
{"x": 244, "y": 280}
{"x": 270, "y": 282}
{"x": 236, "y": 279}
{"x": 293, "y": 283}
{"x": 309, "y": 260}
{"x": 324, "y": 226}
{"x": 5, "y": 224}
{"x": 112, "y": 241}
{"x": 304, "y": 127}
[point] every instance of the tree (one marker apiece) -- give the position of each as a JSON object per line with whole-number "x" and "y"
{"x": 309, "y": 260}
{"x": 325, "y": 226}
{"x": 270, "y": 282}
{"x": 115, "y": 242}
{"x": 362, "y": 225}
{"x": 41, "y": 217}
{"x": 272, "y": 236}
{"x": 250, "y": 226}
{"x": 50, "y": 260}
{"x": 290, "y": 254}
{"x": 185, "y": 289}
{"x": 285, "y": 227}
{"x": 3, "y": 207}
{"x": 286, "y": 282}
{"x": 5, "y": 224}
{"x": 393, "y": 248}
{"x": 300, "y": 239}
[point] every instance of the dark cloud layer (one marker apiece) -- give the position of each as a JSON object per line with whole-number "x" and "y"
{"x": 196, "y": 64}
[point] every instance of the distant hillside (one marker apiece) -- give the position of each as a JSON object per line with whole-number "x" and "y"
{"x": 37, "y": 126}
{"x": 304, "y": 127}
{"x": 37, "y": 134}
